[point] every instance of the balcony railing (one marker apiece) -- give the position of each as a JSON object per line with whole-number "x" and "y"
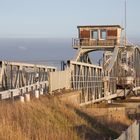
{"x": 77, "y": 42}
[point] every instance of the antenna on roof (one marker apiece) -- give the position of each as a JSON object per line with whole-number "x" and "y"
{"x": 125, "y": 24}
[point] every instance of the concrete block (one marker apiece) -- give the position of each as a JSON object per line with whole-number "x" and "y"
{"x": 37, "y": 94}
{"x": 22, "y": 99}
{"x": 27, "y": 97}
{"x": 41, "y": 91}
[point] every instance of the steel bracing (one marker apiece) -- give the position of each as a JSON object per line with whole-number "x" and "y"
{"x": 118, "y": 76}
{"x": 17, "y": 78}
{"x": 88, "y": 78}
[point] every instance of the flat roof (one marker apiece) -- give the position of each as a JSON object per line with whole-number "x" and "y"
{"x": 98, "y": 26}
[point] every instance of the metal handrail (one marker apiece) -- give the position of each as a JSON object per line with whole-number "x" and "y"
{"x": 110, "y": 41}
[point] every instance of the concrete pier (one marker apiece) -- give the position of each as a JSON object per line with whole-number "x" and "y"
{"x": 41, "y": 91}
{"x": 22, "y": 99}
{"x": 37, "y": 94}
{"x": 27, "y": 97}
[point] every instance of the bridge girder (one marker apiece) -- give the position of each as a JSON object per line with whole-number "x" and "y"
{"x": 115, "y": 74}
{"x": 22, "y": 77}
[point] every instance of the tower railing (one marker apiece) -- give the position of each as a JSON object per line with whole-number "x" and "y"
{"x": 110, "y": 41}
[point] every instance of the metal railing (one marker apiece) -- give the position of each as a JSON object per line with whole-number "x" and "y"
{"x": 76, "y": 42}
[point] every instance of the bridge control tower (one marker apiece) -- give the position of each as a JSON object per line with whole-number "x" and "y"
{"x": 119, "y": 73}
{"x": 96, "y": 38}
{"x": 103, "y": 37}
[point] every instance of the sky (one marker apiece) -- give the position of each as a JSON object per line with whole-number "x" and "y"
{"x": 59, "y": 18}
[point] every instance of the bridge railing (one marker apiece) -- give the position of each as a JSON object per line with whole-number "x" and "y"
{"x": 88, "y": 78}
{"x": 11, "y": 93}
{"x": 77, "y": 42}
{"x": 15, "y": 74}
{"x": 17, "y": 78}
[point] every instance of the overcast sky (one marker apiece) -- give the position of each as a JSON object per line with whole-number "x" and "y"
{"x": 59, "y": 18}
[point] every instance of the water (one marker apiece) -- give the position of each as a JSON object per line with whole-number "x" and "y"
{"x": 40, "y": 50}
{"x": 36, "y": 50}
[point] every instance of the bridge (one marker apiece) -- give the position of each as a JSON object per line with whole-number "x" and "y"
{"x": 117, "y": 76}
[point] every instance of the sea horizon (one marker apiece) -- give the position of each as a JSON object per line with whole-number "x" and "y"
{"x": 41, "y": 50}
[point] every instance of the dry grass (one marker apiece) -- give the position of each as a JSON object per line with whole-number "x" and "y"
{"x": 49, "y": 119}
{"x": 113, "y": 116}
{"x": 38, "y": 120}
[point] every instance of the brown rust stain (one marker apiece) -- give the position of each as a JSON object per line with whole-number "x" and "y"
{"x": 112, "y": 33}
{"x": 85, "y": 34}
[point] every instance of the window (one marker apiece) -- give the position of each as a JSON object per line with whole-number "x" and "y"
{"x": 103, "y": 34}
{"x": 94, "y": 34}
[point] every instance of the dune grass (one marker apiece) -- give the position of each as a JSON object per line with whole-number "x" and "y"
{"x": 38, "y": 120}
{"x": 48, "y": 119}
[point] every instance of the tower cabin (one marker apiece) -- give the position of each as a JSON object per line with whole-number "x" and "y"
{"x": 98, "y": 37}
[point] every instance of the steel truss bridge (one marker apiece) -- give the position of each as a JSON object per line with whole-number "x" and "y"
{"x": 19, "y": 78}
{"x": 118, "y": 76}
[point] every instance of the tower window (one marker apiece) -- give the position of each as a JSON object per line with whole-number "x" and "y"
{"x": 103, "y": 34}
{"x": 94, "y": 34}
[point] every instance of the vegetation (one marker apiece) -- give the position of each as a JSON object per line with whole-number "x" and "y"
{"x": 49, "y": 119}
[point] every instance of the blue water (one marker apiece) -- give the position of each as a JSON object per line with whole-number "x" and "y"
{"x": 35, "y": 49}
{"x": 40, "y": 50}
